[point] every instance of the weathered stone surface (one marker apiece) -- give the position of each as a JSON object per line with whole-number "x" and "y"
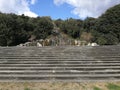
{"x": 63, "y": 63}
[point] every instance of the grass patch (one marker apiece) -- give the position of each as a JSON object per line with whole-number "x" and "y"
{"x": 27, "y": 89}
{"x": 113, "y": 87}
{"x": 43, "y": 89}
{"x": 96, "y": 88}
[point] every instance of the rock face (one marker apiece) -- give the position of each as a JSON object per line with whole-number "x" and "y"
{"x": 61, "y": 63}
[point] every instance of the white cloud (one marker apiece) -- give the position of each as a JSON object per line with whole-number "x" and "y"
{"x": 89, "y": 8}
{"x": 33, "y": 1}
{"x": 17, "y": 6}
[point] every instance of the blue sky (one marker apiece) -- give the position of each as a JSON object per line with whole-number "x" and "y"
{"x": 48, "y": 8}
{"x": 78, "y": 9}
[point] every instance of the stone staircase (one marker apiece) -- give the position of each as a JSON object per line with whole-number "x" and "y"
{"x": 62, "y": 63}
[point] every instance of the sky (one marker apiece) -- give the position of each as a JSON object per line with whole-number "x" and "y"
{"x": 63, "y": 9}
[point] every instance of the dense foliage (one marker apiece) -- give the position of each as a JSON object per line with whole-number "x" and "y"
{"x": 18, "y": 29}
{"x": 70, "y": 26}
{"x": 108, "y": 27}
{"x": 104, "y": 30}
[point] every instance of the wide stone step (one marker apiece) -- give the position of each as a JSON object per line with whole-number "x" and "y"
{"x": 58, "y": 75}
{"x": 58, "y": 59}
{"x": 60, "y": 68}
{"x": 57, "y": 62}
{"x": 52, "y": 57}
{"x": 60, "y": 71}
{"x": 75, "y": 77}
{"x": 57, "y": 79}
{"x": 60, "y": 63}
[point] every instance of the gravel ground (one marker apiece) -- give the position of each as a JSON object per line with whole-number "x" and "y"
{"x": 55, "y": 86}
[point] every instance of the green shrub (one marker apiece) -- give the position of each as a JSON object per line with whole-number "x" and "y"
{"x": 26, "y": 89}
{"x": 113, "y": 87}
{"x": 96, "y": 88}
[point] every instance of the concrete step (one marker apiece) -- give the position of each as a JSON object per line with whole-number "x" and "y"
{"x": 57, "y": 72}
{"x": 60, "y": 63}
{"x": 60, "y": 68}
{"x": 57, "y": 62}
{"x": 58, "y": 59}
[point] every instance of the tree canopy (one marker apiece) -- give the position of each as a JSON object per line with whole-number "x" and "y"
{"x": 108, "y": 26}
{"x": 18, "y": 29}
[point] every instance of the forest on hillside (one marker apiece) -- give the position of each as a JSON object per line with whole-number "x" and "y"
{"x": 105, "y": 30}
